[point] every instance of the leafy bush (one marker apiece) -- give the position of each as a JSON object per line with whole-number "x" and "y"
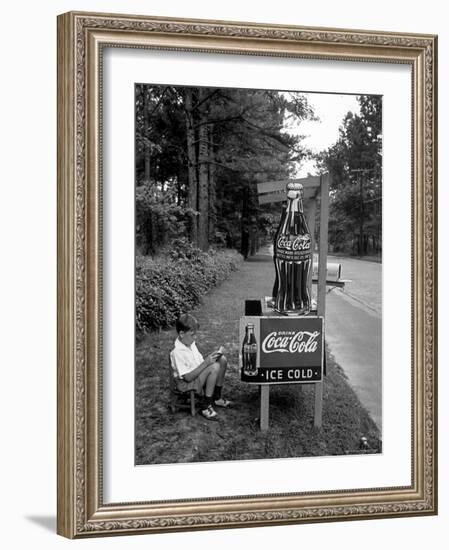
{"x": 176, "y": 280}
{"x": 159, "y": 217}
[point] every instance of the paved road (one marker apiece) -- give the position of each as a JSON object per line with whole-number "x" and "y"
{"x": 366, "y": 281}
{"x": 354, "y": 330}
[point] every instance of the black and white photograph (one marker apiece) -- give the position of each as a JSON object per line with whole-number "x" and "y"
{"x": 258, "y": 274}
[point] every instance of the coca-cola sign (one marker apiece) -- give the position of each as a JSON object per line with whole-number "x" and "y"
{"x": 291, "y": 341}
{"x": 289, "y": 350}
{"x": 301, "y": 341}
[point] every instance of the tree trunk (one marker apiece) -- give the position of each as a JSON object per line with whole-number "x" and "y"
{"x": 362, "y": 215}
{"x": 192, "y": 191}
{"x": 244, "y": 243}
{"x": 212, "y": 187}
{"x": 182, "y": 183}
{"x": 147, "y": 149}
{"x": 203, "y": 175}
{"x": 150, "y": 234}
{"x": 252, "y": 246}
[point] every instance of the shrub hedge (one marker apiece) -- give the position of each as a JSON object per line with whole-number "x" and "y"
{"x": 175, "y": 281}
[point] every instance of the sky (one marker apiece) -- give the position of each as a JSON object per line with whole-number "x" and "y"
{"x": 331, "y": 110}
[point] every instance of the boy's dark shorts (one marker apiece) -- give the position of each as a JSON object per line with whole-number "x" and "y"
{"x": 195, "y": 384}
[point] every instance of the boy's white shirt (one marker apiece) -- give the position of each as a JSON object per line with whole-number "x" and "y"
{"x": 184, "y": 359}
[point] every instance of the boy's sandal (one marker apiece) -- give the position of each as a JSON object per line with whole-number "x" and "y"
{"x": 209, "y": 413}
{"x": 223, "y": 402}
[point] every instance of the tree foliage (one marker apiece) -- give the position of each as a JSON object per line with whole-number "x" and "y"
{"x": 200, "y": 153}
{"x": 355, "y": 164}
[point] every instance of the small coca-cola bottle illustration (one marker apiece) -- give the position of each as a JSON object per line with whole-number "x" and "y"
{"x": 249, "y": 351}
{"x": 293, "y": 257}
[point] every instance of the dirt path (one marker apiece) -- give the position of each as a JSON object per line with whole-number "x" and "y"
{"x": 162, "y": 437}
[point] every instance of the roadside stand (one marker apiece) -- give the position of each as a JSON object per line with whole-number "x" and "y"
{"x": 282, "y": 337}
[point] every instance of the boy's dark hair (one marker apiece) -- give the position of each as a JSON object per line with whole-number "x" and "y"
{"x": 186, "y": 322}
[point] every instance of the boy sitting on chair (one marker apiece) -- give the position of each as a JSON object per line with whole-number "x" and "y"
{"x": 193, "y": 372}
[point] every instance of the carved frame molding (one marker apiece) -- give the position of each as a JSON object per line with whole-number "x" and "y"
{"x": 81, "y": 37}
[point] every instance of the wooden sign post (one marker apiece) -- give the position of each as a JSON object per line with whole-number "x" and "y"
{"x": 286, "y": 350}
{"x": 275, "y": 191}
{"x": 322, "y": 272}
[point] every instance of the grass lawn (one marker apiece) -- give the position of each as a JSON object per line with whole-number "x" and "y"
{"x": 165, "y": 437}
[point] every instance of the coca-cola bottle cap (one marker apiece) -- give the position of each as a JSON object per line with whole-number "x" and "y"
{"x": 294, "y": 190}
{"x": 294, "y": 186}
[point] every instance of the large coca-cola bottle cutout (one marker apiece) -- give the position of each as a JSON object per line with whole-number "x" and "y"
{"x": 276, "y": 280}
{"x": 293, "y": 257}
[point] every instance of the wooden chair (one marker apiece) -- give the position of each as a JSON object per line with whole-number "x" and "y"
{"x": 179, "y": 399}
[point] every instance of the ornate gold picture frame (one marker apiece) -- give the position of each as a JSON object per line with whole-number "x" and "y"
{"x": 82, "y": 509}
